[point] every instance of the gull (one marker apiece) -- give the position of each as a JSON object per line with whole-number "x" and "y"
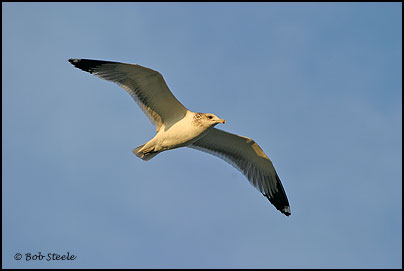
{"x": 176, "y": 127}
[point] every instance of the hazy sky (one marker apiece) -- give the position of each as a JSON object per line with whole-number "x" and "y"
{"x": 317, "y": 86}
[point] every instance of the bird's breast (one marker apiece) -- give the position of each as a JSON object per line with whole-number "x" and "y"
{"x": 180, "y": 134}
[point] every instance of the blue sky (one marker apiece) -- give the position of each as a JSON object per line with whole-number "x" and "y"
{"x": 317, "y": 86}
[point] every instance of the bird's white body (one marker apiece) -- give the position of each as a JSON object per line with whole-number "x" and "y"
{"x": 180, "y": 134}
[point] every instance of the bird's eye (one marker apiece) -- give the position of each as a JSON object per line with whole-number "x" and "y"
{"x": 210, "y": 117}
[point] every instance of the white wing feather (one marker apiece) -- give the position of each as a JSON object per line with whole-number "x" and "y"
{"x": 146, "y": 86}
{"x": 245, "y": 155}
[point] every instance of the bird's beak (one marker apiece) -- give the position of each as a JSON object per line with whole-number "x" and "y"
{"x": 222, "y": 121}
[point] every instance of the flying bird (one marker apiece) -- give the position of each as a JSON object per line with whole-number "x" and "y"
{"x": 176, "y": 127}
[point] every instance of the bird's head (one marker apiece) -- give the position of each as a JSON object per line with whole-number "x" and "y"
{"x": 208, "y": 119}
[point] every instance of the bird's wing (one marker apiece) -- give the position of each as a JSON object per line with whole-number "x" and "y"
{"x": 245, "y": 155}
{"x": 146, "y": 86}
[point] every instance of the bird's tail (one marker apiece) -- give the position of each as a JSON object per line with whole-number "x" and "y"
{"x": 144, "y": 155}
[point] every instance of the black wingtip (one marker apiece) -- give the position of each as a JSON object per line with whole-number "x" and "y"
{"x": 88, "y": 65}
{"x": 74, "y": 61}
{"x": 284, "y": 209}
{"x": 279, "y": 198}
